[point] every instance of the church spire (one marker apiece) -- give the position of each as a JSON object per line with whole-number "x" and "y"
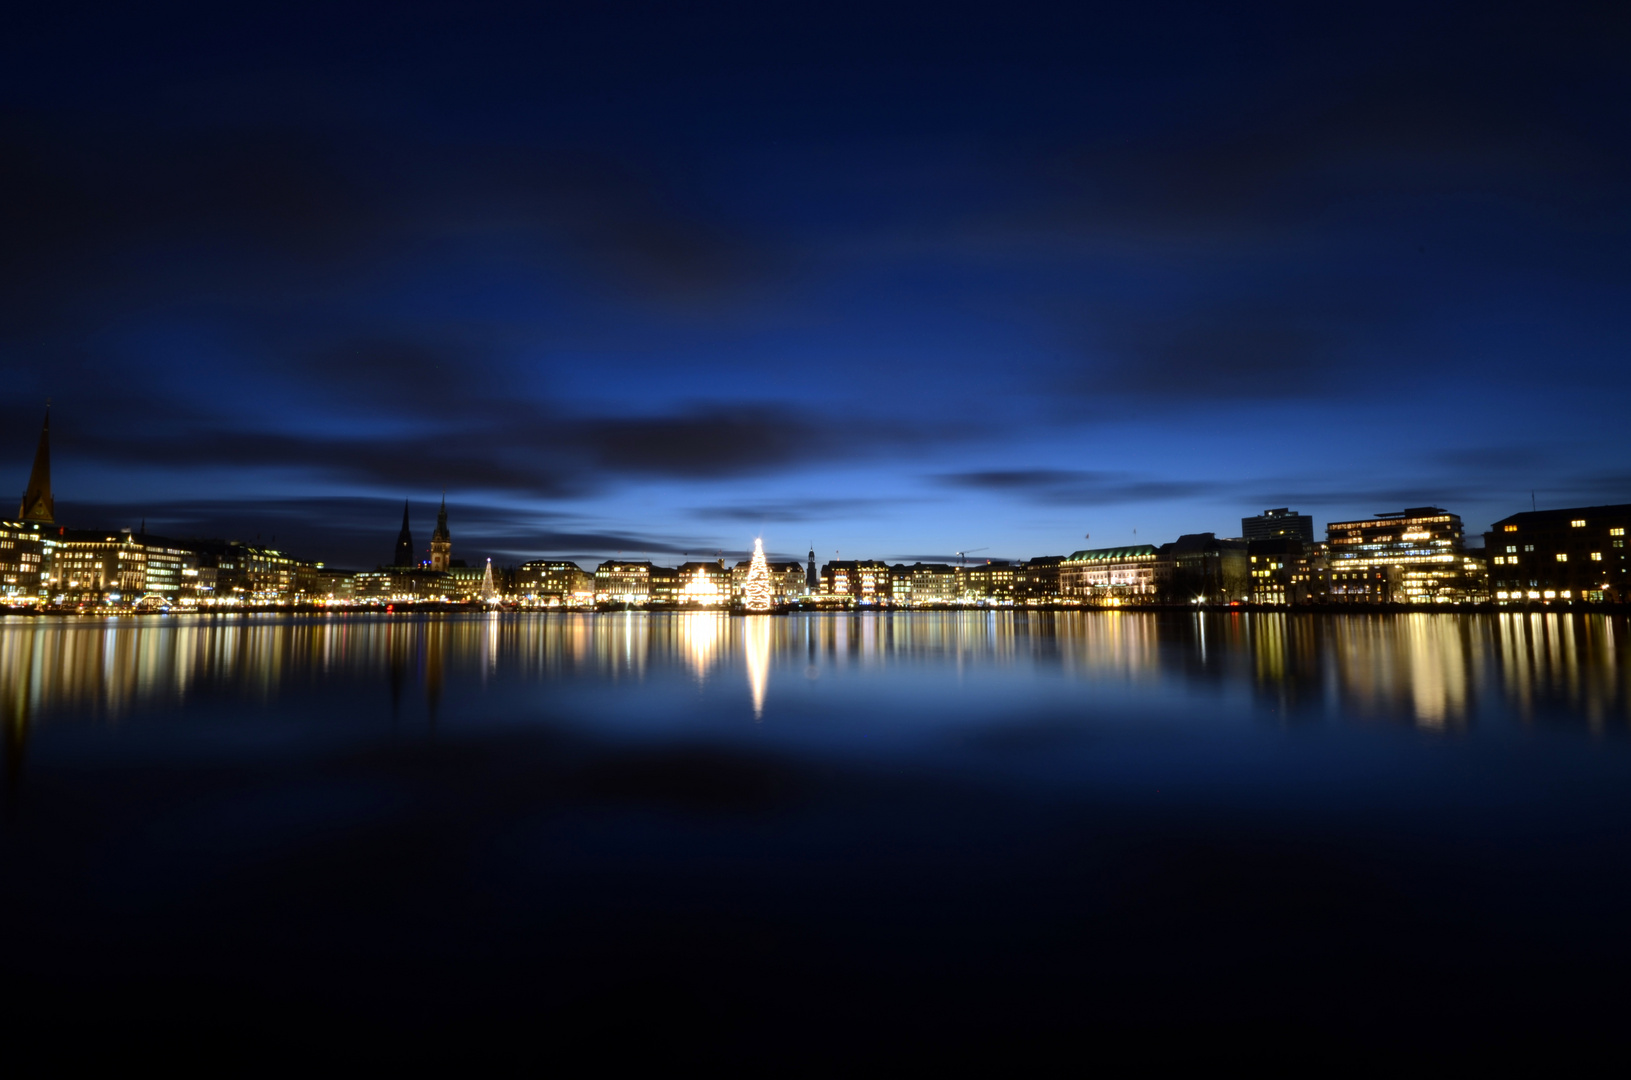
{"x": 37, "y": 502}
{"x": 441, "y": 544}
{"x": 404, "y": 541}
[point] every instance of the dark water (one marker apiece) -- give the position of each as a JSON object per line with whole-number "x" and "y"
{"x": 806, "y": 842}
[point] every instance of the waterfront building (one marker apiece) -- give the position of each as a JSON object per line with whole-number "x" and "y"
{"x": 89, "y": 567}
{"x": 1118, "y": 575}
{"x": 1575, "y": 554}
{"x": 665, "y": 585}
{"x": 22, "y": 562}
{"x": 397, "y": 585}
{"x": 787, "y": 580}
{"x": 124, "y": 568}
{"x": 555, "y": 584}
{"x": 1370, "y": 560}
{"x": 709, "y": 584}
{"x": 990, "y": 582}
{"x": 864, "y": 581}
{"x": 251, "y": 573}
{"x": 315, "y": 583}
{"x": 1273, "y": 565}
{"x": 1038, "y": 580}
{"x": 932, "y": 584}
{"x": 462, "y": 584}
{"x": 1282, "y": 523}
{"x": 1465, "y": 581}
{"x": 1287, "y": 570}
{"x": 405, "y": 554}
{"x": 1202, "y": 568}
{"x": 621, "y": 581}
{"x": 441, "y": 543}
{"x": 38, "y": 505}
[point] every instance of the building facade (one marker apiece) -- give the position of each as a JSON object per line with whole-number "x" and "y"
{"x": 990, "y": 582}
{"x": 1280, "y": 524}
{"x": 619, "y": 581}
{"x": 1114, "y": 576}
{"x": 1202, "y": 568}
{"x": 1577, "y": 554}
{"x": 22, "y": 562}
{"x": 555, "y": 584}
{"x": 1414, "y": 556}
{"x": 864, "y": 581}
{"x": 1038, "y": 580}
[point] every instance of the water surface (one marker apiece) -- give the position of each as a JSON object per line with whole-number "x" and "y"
{"x": 799, "y": 839}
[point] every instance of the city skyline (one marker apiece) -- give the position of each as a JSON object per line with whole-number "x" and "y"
{"x": 954, "y": 280}
{"x": 38, "y": 504}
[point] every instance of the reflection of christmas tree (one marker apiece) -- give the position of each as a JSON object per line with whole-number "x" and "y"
{"x": 758, "y": 595}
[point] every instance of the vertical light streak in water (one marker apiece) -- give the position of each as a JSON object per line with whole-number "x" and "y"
{"x": 699, "y": 637}
{"x": 756, "y": 647}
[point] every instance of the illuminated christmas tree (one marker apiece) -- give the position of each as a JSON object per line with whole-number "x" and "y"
{"x": 758, "y": 595}
{"x": 489, "y": 593}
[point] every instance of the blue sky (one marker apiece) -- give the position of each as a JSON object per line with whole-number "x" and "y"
{"x": 894, "y": 281}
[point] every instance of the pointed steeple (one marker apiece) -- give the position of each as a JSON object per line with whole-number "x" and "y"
{"x": 404, "y": 541}
{"x": 441, "y": 544}
{"x": 37, "y": 502}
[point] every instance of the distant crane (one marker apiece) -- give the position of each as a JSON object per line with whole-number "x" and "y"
{"x": 962, "y": 556}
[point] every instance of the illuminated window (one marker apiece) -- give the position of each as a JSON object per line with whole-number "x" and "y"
{"x": 1562, "y": 557}
{"x": 1509, "y": 528}
{"x": 1529, "y": 547}
{"x": 1578, "y": 523}
{"x": 1511, "y": 548}
{"x": 1616, "y": 532}
{"x": 1597, "y": 556}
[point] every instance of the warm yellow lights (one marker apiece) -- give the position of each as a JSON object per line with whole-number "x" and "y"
{"x": 757, "y": 594}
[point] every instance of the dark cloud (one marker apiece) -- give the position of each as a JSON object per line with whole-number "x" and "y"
{"x": 104, "y": 216}
{"x": 517, "y": 449}
{"x": 358, "y": 532}
{"x": 1068, "y": 487}
{"x": 789, "y": 510}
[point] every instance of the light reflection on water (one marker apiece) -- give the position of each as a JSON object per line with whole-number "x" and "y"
{"x": 1433, "y": 670}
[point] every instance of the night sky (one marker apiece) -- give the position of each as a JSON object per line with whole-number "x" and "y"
{"x": 893, "y": 281}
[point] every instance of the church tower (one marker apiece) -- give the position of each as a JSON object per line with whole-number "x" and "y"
{"x": 37, "y": 502}
{"x": 812, "y": 583}
{"x": 404, "y": 541}
{"x": 441, "y": 544}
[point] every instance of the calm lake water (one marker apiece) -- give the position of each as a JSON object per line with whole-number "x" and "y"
{"x": 798, "y": 841}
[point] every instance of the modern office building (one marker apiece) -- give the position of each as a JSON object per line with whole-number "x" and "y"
{"x": 1118, "y": 575}
{"x": 1575, "y": 554}
{"x": 1283, "y": 523}
{"x": 1413, "y": 556}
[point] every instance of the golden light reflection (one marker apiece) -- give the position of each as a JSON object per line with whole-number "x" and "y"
{"x": 700, "y": 634}
{"x": 756, "y": 634}
{"x": 1433, "y": 670}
